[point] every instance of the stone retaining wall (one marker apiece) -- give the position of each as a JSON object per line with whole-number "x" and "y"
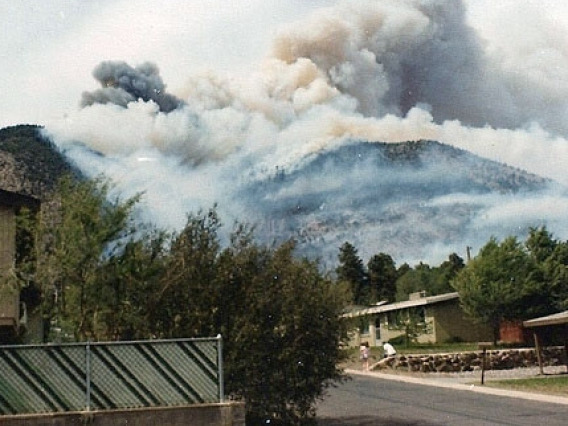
{"x": 471, "y": 361}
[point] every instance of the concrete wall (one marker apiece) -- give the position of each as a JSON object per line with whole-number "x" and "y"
{"x": 227, "y": 414}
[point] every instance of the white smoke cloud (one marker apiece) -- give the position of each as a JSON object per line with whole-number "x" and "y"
{"x": 368, "y": 70}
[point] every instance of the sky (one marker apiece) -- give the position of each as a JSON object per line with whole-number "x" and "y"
{"x": 239, "y": 88}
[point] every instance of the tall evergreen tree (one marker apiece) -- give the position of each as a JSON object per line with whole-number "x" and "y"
{"x": 540, "y": 244}
{"x": 382, "y": 277}
{"x": 352, "y": 270}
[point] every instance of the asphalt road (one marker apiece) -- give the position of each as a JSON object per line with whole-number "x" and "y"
{"x": 366, "y": 401}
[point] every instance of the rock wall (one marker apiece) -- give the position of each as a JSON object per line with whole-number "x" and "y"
{"x": 471, "y": 361}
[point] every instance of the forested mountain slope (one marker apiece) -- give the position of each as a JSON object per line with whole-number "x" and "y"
{"x": 29, "y": 163}
{"x": 404, "y": 199}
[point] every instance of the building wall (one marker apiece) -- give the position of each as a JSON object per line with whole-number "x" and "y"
{"x": 9, "y": 300}
{"x": 514, "y": 332}
{"x": 388, "y": 333}
{"x": 7, "y": 237}
{"x": 452, "y": 323}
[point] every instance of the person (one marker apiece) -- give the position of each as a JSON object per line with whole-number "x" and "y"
{"x": 364, "y": 354}
{"x": 389, "y": 350}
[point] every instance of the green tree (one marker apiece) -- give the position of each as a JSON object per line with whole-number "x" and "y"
{"x": 447, "y": 271}
{"x": 495, "y": 285}
{"x": 188, "y": 296}
{"x": 102, "y": 277}
{"x": 287, "y": 339}
{"x": 551, "y": 257}
{"x": 129, "y": 283}
{"x": 419, "y": 278}
{"x": 280, "y": 317}
{"x": 555, "y": 270}
{"x": 432, "y": 280}
{"x": 540, "y": 244}
{"x": 352, "y": 270}
{"x": 74, "y": 240}
{"x": 382, "y": 277}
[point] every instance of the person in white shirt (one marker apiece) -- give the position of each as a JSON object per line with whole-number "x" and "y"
{"x": 389, "y": 350}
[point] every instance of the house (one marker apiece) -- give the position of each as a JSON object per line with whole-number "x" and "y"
{"x": 442, "y": 315}
{"x": 547, "y": 331}
{"x": 11, "y": 310}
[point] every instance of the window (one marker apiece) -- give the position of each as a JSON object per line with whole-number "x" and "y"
{"x": 378, "y": 327}
{"x": 393, "y": 319}
{"x": 364, "y": 325}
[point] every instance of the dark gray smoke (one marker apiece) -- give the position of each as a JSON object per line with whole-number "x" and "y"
{"x": 122, "y": 84}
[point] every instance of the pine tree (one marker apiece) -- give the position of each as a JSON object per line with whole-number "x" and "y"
{"x": 382, "y": 277}
{"x": 352, "y": 271}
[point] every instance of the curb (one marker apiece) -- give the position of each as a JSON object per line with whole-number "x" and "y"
{"x": 554, "y": 399}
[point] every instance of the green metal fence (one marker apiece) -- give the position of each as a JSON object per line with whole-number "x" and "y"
{"x": 110, "y": 375}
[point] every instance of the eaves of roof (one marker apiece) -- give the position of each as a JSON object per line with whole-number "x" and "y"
{"x": 554, "y": 319}
{"x": 423, "y": 301}
{"x": 14, "y": 199}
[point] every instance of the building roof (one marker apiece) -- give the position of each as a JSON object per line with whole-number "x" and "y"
{"x": 422, "y": 301}
{"x": 13, "y": 199}
{"x": 554, "y": 319}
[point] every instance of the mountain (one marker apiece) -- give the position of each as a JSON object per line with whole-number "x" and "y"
{"x": 398, "y": 198}
{"x": 413, "y": 200}
{"x": 30, "y": 164}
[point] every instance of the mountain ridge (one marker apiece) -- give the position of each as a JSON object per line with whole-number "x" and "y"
{"x": 405, "y": 194}
{"x": 396, "y": 198}
{"x": 30, "y": 163}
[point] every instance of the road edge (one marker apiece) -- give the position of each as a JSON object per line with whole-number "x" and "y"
{"x": 555, "y": 399}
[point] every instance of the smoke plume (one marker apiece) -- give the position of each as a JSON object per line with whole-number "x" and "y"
{"x": 373, "y": 71}
{"x": 122, "y": 84}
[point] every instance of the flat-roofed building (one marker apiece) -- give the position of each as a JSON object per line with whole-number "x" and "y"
{"x": 442, "y": 315}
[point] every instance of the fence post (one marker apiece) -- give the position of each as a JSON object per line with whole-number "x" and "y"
{"x": 220, "y": 368}
{"x": 88, "y": 376}
{"x": 484, "y": 346}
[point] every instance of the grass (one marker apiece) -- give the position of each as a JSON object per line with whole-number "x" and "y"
{"x": 551, "y": 385}
{"x": 438, "y": 348}
{"x": 426, "y": 348}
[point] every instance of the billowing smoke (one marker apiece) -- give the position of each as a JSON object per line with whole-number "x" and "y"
{"x": 373, "y": 71}
{"x": 122, "y": 84}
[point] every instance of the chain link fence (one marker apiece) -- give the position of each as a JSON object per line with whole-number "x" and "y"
{"x": 110, "y": 375}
